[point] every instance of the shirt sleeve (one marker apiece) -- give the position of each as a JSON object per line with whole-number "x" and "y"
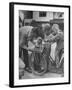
{"x": 56, "y": 37}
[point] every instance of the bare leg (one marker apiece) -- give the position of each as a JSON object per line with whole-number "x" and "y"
{"x": 57, "y": 58}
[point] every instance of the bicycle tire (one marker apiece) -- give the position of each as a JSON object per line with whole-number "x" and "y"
{"x": 32, "y": 64}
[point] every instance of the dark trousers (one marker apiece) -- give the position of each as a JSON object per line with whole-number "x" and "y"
{"x": 24, "y": 52}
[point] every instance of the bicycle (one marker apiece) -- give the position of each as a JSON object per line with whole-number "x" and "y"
{"x": 39, "y": 60}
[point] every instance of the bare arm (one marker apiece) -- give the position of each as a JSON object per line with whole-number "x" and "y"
{"x": 56, "y": 37}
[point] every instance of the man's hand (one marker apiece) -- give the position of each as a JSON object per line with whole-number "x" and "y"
{"x": 47, "y": 40}
{"x": 25, "y": 47}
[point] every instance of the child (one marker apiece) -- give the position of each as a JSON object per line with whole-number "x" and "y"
{"x": 39, "y": 44}
{"x": 38, "y": 55}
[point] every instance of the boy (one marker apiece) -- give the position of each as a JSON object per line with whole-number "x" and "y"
{"x": 59, "y": 39}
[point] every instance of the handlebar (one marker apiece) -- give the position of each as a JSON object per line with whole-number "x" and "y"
{"x": 33, "y": 50}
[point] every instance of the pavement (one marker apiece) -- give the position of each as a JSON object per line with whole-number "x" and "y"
{"x": 28, "y": 75}
{"x": 52, "y": 72}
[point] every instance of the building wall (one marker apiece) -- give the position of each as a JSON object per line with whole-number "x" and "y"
{"x": 35, "y": 16}
{"x": 48, "y": 17}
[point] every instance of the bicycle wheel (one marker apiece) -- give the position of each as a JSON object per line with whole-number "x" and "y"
{"x": 61, "y": 63}
{"x": 38, "y": 63}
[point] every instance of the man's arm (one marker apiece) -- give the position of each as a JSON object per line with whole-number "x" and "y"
{"x": 56, "y": 37}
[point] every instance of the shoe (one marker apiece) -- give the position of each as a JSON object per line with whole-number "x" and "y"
{"x": 58, "y": 65}
{"x": 28, "y": 69}
{"x": 41, "y": 70}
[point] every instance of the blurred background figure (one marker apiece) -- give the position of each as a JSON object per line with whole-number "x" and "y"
{"x": 47, "y": 30}
{"x": 21, "y": 19}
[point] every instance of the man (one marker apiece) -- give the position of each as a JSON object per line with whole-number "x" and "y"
{"x": 23, "y": 44}
{"x": 59, "y": 39}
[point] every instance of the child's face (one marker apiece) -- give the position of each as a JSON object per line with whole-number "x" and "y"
{"x": 39, "y": 41}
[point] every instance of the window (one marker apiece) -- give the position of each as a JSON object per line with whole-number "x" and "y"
{"x": 28, "y": 14}
{"x": 58, "y": 15}
{"x": 42, "y": 14}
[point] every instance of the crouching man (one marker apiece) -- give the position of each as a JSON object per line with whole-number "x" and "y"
{"x": 23, "y": 46}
